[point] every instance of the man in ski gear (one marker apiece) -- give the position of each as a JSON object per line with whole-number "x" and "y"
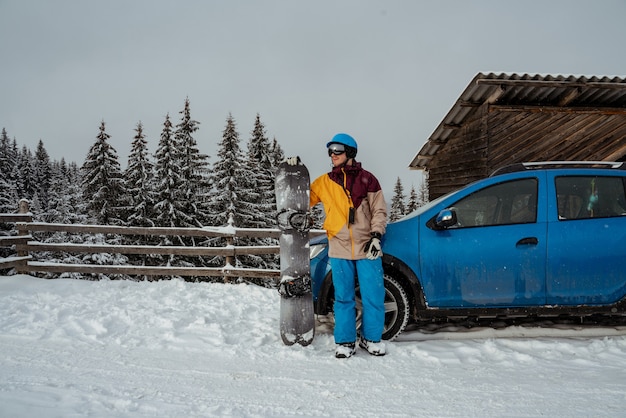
{"x": 356, "y": 218}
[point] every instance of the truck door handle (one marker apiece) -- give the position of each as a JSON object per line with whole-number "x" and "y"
{"x": 527, "y": 241}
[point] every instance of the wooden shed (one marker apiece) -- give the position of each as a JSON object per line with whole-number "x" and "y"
{"x": 501, "y": 119}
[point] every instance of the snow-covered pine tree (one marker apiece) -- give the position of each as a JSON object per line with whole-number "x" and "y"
{"x": 8, "y": 195}
{"x": 42, "y": 175}
{"x": 170, "y": 199}
{"x": 59, "y": 205}
{"x": 102, "y": 181}
{"x": 169, "y": 205}
{"x": 138, "y": 177}
{"x": 8, "y": 185}
{"x": 25, "y": 174}
{"x": 228, "y": 174}
{"x": 75, "y": 194}
{"x": 423, "y": 196}
{"x": 5, "y": 147}
{"x": 412, "y": 204}
{"x": 195, "y": 170}
{"x": 228, "y": 200}
{"x": 103, "y": 194}
{"x": 397, "y": 209}
{"x": 278, "y": 155}
{"x": 63, "y": 207}
{"x": 260, "y": 163}
{"x": 15, "y": 173}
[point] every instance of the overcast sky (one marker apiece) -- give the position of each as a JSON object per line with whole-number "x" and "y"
{"x": 384, "y": 71}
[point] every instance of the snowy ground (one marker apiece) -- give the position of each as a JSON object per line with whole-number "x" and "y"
{"x": 174, "y": 349}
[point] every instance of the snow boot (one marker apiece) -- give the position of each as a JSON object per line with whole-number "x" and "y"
{"x": 374, "y": 348}
{"x": 345, "y": 350}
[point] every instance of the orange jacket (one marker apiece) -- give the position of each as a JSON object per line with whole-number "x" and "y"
{"x": 344, "y": 188}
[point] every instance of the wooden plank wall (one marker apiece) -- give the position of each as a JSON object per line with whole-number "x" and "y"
{"x": 518, "y": 134}
{"x": 463, "y": 158}
{"x": 502, "y": 135}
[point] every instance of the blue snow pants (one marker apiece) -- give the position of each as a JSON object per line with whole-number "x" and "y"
{"x": 372, "y": 288}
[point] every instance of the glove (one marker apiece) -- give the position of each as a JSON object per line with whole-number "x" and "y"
{"x": 372, "y": 247}
{"x": 292, "y": 160}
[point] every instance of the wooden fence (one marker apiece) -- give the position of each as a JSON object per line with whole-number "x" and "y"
{"x": 25, "y": 245}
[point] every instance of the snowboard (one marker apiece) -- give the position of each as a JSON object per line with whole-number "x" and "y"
{"x": 297, "y": 320}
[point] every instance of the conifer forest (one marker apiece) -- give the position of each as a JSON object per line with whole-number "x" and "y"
{"x": 175, "y": 186}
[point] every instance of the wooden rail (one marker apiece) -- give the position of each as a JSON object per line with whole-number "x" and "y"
{"x": 15, "y": 217}
{"x": 25, "y": 245}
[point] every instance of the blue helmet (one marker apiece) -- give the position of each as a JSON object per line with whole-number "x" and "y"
{"x": 347, "y": 141}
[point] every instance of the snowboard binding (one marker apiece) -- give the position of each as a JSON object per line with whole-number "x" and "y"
{"x": 288, "y": 219}
{"x": 295, "y": 286}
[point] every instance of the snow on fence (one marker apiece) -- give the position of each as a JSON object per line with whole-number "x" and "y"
{"x": 25, "y": 245}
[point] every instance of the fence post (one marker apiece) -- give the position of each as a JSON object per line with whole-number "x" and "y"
{"x": 230, "y": 241}
{"x": 23, "y": 206}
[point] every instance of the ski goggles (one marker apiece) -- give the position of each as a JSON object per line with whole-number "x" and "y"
{"x": 336, "y": 149}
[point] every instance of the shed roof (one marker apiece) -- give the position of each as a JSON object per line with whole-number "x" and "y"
{"x": 523, "y": 90}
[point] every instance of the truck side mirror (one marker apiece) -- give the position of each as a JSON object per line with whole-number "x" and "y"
{"x": 446, "y": 218}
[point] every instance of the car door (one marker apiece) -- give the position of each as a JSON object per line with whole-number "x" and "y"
{"x": 495, "y": 254}
{"x": 586, "y": 239}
